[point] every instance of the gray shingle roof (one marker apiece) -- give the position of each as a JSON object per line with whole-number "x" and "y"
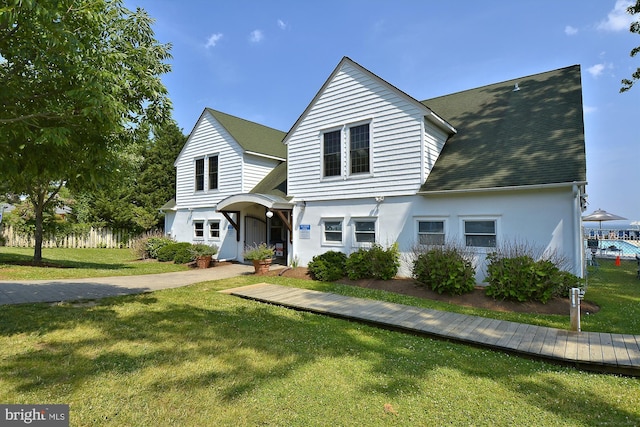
{"x": 252, "y": 136}
{"x": 274, "y": 183}
{"x": 506, "y": 138}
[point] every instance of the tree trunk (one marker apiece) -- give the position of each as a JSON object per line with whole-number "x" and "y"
{"x": 38, "y": 208}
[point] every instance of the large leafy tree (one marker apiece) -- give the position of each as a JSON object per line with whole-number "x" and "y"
{"x": 78, "y": 78}
{"x": 635, "y": 28}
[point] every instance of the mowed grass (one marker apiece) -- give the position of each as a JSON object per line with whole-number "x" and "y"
{"x": 77, "y": 263}
{"x": 193, "y": 356}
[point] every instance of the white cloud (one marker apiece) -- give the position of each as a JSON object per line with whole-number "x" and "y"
{"x": 281, "y": 24}
{"x": 596, "y": 70}
{"x": 618, "y": 19}
{"x": 588, "y": 109}
{"x": 213, "y": 40}
{"x": 570, "y": 31}
{"x": 256, "y": 36}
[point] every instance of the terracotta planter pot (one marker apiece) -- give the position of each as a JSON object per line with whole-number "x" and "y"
{"x": 203, "y": 261}
{"x": 261, "y": 266}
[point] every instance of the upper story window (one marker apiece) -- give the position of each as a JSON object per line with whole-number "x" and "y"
{"x": 331, "y": 153}
{"x": 355, "y": 141}
{"x": 213, "y": 172}
{"x": 430, "y": 232}
{"x": 199, "y": 178}
{"x": 480, "y": 233}
{"x": 359, "y": 148}
{"x": 206, "y": 167}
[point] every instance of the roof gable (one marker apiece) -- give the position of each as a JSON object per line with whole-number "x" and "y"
{"x": 507, "y": 138}
{"x": 430, "y": 114}
{"x": 252, "y": 137}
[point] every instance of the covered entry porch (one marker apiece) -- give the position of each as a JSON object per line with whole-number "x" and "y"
{"x": 260, "y": 218}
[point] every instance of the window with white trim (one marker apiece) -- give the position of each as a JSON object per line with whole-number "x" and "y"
{"x": 480, "y": 233}
{"x": 331, "y": 153}
{"x": 430, "y": 232}
{"x": 214, "y": 230}
{"x": 359, "y": 154}
{"x": 199, "y": 176}
{"x": 332, "y": 229}
{"x": 198, "y": 229}
{"x": 213, "y": 172}
{"x": 364, "y": 230}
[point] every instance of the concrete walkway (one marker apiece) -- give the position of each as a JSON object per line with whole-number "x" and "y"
{"x": 31, "y": 291}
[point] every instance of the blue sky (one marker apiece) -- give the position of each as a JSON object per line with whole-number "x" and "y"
{"x": 265, "y": 60}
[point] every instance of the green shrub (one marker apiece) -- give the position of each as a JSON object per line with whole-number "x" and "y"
{"x": 328, "y": 267}
{"x": 168, "y": 252}
{"x": 184, "y": 255}
{"x": 373, "y": 263}
{"x": 154, "y": 244}
{"x": 445, "y": 269}
{"x": 521, "y": 278}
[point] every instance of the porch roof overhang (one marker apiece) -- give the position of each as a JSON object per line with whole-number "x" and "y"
{"x": 239, "y": 201}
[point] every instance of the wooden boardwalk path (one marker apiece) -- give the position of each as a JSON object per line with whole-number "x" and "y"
{"x": 594, "y": 351}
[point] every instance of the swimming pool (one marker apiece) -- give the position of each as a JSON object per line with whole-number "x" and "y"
{"x": 622, "y": 248}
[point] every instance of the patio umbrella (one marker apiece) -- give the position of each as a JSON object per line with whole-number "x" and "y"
{"x": 601, "y": 215}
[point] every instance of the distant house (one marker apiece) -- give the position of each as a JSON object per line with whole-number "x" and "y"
{"x": 366, "y": 162}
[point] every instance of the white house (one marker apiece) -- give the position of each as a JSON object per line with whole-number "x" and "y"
{"x": 365, "y": 162}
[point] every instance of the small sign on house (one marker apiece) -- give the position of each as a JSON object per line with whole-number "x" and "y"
{"x": 304, "y": 231}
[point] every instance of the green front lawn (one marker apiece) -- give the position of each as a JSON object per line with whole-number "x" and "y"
{"x": 194, "y": 357}
{"x": 77, "y": 263}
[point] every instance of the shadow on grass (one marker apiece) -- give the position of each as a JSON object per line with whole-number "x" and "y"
{"x": 195, "y": 338}
{"x": 27, "y": 260}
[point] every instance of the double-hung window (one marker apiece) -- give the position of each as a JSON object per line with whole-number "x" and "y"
{"x": 213, "y": 172}
{"x": 365, "y": 231}
{"x": 430, "y": 232}
{"x": 480, "y": 233}
{"x": 359, "y": 148}
{"x": 199, "y": 178}
{"x": 214, "y": 230}
{"x": 198, "y": 229}
{"x": 331, "y": 153}
{"x": 332, "y": 231}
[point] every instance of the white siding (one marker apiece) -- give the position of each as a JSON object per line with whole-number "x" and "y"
{"x": 208, "y": 138}
{"x": 395, "y": 139}
{"x": 255, "y": 169}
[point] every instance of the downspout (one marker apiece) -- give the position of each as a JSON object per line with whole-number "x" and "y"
{"x": 578, "y": 265}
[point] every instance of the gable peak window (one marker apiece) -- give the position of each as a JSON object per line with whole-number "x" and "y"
{"x": 359, "y": 151}
{"x": 213, "y": 172}
{"x": 331, "y": 152}
{"x": 199, "y": 178}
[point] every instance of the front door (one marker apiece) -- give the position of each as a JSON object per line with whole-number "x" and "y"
{"x": 255, "y": 231}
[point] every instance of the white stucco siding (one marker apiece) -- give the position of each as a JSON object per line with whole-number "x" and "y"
{"x": 182, "y": 230}
{"x": 207, "y": 139}
{"x": 396, "y": 138}
{"x": 541, "y": 219}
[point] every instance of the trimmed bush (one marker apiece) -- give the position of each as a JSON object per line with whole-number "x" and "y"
{"x": 445, "y": 269}
{"x": 168, "y": 252}
{"x": 154, "y": 244}
{"x": 373, "y": 263}
{"x": 184, "y": 255}
{"x": 328, "y": 267}
{"x": 521, "y": 278}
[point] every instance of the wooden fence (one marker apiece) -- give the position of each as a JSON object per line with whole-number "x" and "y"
{"x": 94, "y": 238}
